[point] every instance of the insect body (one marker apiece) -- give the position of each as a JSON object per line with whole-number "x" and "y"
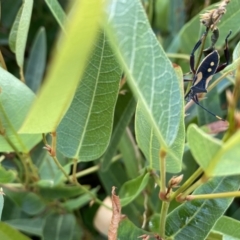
{"x": 207, "y": 68}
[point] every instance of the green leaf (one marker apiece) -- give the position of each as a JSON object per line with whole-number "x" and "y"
{"x": 15, "y": 101}
{"x": 66, "y": 69}
{"x": 131, "y": 155}
{"x": 31, "y": 226}
{"x": 19, "y": 32}
{"x": 9, "y": 233}
{"x": 60, "y": 192}
{"x": 80, "y": 201}
{"x": 149, "y": 144}
{"x": 86, "y": 135}
{"x": 59, "y": 227}
{"x": 199, "y": 216}
{"x": 202, "y": 145}
{"x": 127, "y": 231}
{"x": 149, "y": 72}
{"x": 6, "y": 176}
{"x": 37, "y": 61}
{"x": 117, "y": 134}
{"x": 131, "y": 189}
{"x": 57, "y": 12}
{"x": 226, "y": 162}
{"x": 1, "y": 204}
{"x": 32, "y": 204}
{"x": 215, "y": 236}
{"x": 114, "y": 176}
{"x": 191, "y": 32}
{"x": 49, "y": 172}
{"x": 236, "y": 52}
{"x": 228, "y": 227}
{"x": 14, "y": 30}
{"x": 29, "y": 202}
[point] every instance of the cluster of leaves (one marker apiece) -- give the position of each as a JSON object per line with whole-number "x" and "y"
{"x": 88, "y": 106}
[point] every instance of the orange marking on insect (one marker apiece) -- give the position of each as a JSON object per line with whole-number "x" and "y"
{"x": 199, "y": 78}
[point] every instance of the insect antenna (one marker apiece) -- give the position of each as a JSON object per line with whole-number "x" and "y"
{"x": 208, "y": 110}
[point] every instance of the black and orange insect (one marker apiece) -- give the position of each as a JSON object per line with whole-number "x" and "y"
{"x": 204, "y": 73}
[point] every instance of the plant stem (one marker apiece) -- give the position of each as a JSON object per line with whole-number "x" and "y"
{"x": 78, "y": 184}
{"x": 94, "y": 168}
{"x": 61, "y": 168}
{"x": 162, "y": 164}
{"x": 22, "y": 75}
{"x": 163, "y": 191}
{"x": 191, "y": 189}
{"x": 26, "y": 172}
{"x": 163, "y": 217}
{"x": 186, "y": 184}
{"x": 215, "y": 195}
{"x": 233, "y": 124}
{"x": 73, "y": 177}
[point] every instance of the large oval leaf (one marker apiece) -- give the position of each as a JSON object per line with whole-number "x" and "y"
{"x": 150, "y": 73}
{"x": 149, "y": 144}
{"x": 197, "y": 217}
{"x": 85, "y": 130}
{"x": 59, "y": 227}
{"x": 226, "y": 161}
{"x": 202, "y": 145}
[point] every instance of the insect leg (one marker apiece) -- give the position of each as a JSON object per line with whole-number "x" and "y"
{"x": 192, "y": 58}
{"x": 196, "y": 101}
{"x": 226, "y": 54}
